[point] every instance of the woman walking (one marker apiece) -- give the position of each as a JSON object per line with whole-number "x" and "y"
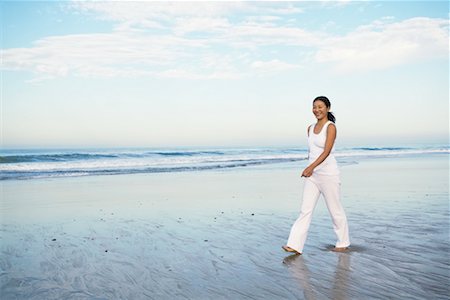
{"x": 321, "y": 177}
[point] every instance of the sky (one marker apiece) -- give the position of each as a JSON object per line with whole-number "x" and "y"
{"x": 222, "y": 74}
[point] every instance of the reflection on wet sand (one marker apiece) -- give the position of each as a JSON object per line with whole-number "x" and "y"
{"x": 341, "y": 277}
{"x": 296, "y": 264}
{"x": 298, "y": 268}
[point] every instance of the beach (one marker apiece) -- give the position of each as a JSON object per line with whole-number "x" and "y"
{"x": 218, "y": 234}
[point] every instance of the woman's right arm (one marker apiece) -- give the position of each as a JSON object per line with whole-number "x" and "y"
{"x": 307, "y": 133}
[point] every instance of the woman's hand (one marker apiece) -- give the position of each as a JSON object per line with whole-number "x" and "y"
{"x": 308, "y": 171}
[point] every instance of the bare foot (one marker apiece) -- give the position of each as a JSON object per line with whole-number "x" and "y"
{"x": 289, "y": 249}
{"x": 340, "y": 249}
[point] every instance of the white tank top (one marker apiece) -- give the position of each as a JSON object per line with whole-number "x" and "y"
{"x": 316, "y": 145}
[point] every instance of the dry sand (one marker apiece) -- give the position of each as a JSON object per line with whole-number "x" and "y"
{"x": 219, "y": 234}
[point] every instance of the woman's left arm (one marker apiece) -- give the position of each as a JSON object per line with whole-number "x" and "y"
{"x": 329, "y": 142}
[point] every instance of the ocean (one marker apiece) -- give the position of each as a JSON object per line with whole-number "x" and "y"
{"x": 22, "y": 164}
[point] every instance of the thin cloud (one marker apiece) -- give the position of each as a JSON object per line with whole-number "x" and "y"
{"x": 154, "y": 11}
{"x": 201, "y": 24}
{"x": 203, "y": 41}
{"x": 274, "y": 65}
{"x": 382, "y": 45}
{"x": 95, "y": 53}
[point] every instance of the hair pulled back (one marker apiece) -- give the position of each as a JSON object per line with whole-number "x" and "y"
{"x": 325, "y": 100}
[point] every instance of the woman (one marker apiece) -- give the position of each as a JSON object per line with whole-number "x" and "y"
{"x": 321, "y": 177}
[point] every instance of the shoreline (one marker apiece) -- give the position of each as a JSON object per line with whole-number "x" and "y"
{"x": 219, "y": 234}
{"x": 66, "y": 165}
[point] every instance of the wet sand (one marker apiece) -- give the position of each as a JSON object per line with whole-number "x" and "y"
{"x": 218, "y": 234}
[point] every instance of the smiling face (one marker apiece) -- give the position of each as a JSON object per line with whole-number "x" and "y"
{"x": 320, "y": 110}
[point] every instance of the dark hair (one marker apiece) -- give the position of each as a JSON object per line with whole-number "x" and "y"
{"x": 325, "y": 100}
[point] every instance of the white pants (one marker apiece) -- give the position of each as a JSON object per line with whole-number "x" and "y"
{"x": 330, "y": 188}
